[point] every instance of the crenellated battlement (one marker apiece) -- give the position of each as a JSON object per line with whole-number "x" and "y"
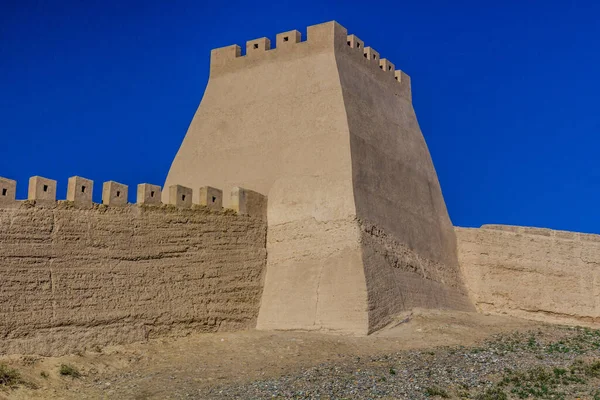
{"x": 43, "y": 191}
{"x": 287, "y": 44}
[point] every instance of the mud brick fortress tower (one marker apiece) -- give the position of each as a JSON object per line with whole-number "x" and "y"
{"x": 335, "y": 222}
{"x": 325, "y": 128}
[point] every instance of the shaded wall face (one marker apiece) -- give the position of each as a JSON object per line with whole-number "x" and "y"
{"x": 395, "y": 183}
{"x": 408, "y": 242}
{"x": 532, "y": 273}
{"x": 74, "y": 279}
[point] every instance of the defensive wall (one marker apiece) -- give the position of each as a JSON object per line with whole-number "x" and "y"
{"x": 354, "y": 231}
{"x": 76, "y": 275}
{"x": 533, "y": 273}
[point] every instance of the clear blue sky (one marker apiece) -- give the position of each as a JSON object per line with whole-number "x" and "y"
{"x": 507, "y": 93}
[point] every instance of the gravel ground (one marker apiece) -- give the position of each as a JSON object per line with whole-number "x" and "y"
{"x": 432, "y": 354}
{"x": 561, "y": 365}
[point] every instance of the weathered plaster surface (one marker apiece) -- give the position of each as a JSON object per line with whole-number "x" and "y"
{"x": 74, "y": 278}
{"x": 534, "y": 273}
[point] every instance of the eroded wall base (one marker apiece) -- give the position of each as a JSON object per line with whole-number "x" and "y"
{"x": 349, "y": 277}
{"x": 399, "y": 279}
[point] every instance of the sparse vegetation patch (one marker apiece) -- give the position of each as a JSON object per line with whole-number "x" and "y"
{"x": 436, "y": 392}
{"x": 69, "y": 370}
{"x": 9, "y": 377}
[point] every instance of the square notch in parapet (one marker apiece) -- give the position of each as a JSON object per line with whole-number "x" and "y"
{"x": 285, "y": 39}
{"x": 148, "y": 194}
{"x": 114, "y": 194}
{"x": 180, "y": 196}
{"x": 371, "y": 54}
{"x": 355, "y": 43}
{"x": 79, "y": 191}
{"x": 41, "y": 189}
{"x": 257, "y": 45}
{"x": 210, "y": 197}
{"x": 386, "y": 65}
{"x": 8, "y": 190}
